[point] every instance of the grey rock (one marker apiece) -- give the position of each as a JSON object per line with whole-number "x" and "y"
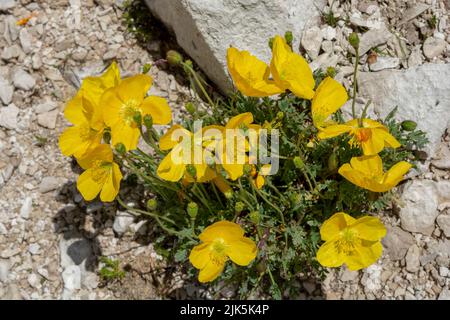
{"x": 4, "y": 270}
{"x": 11, "y": 52}
{"x": 309, "y": 286}
{"x": 385, "y": 63}
{"x": 420, "y": 210}
{"x": 72, "y": 277}
{"x": 348, "y": 275}
{"x": 397, "y": 242}
{"x": 46, "y": 106}
{"x": 433, "y": 47}
{"x": 442, "y": 158}
{"x": 26, "y": 208}
{"x": 311, "y": 41}
{"x": 12, "y": 28}
{"x": 6, "y": 91}
{"x": 7, "y": 4}
{"x": 48, "y": 119}
{"x": 8, "y": 116}
{"x": 3, "y": 229}
{"x": 413, "y": 12}
{"x": 25, "y": 40}
{"x": 205, "y": 29}
{"x": 23, "y": 80}
{"x": 413, "y": 259}
{"x": 36, "y": 61}
{"x": 48, "y": 184}
{"x": 34, "y": 248}
{"x": 445, "y": 294}
{"x": 33, "y": 280}
{"x": 415, "y": 58}
{"x": 122, "y": 222}
{"x": 429, "y": 82}
{"x": 444, "y": 271}
{"x": 443, "y": 221}
{"x": 372, "y": 38}
{"x": 90, "y": 280}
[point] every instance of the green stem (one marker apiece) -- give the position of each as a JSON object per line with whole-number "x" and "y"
{"x": 355, "y": 83}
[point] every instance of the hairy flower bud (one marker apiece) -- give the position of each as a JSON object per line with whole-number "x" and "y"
{"x": 254, "y": 217}
{"x": 289, "y": 38}
{"x": 239, "y": 207}
{"x": 353, "y": 39}
{"x": 298, "y": 162}
{"x": 331, "y": 72}
{"x": 152, "y": 204}
{"x": 190, "y": 107}
{"x": 120, "y": 148}
{"x": 409, "y": 125}
{"x": 137, "y": 118}
{"x": 107, "y": 136}
{"x": 192, "y": 209}
{"x": 174, "y": 57}
{"x": 148, "y": 121}
{"x": 332, "y": 162}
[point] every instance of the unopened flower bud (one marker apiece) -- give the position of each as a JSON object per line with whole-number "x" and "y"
{"x": 190, "y": 107}
{"x": 120, "y": 148}
{"x": 332, "y": 162}
{"x": 254, "y": 217}
{"x": 294, "y": 198}
{"x": 280, "y": 115}
{"x": 270, "y": 43}
{"x": 148, "y": 121}
{"x": 137, "y": 118}
{"x": 298, "y": 162}
{"x": 409, "y": 125}
{"x": 353, "y": 39}
{"x": 239, "y": 207}
{"x": 289, "y": 38}
{"x": 261, "y": 267}
{"x": 192, "y": 209}
{"x": 247, "y": 169}
{"x": 191, "y": 170}
{"x": 152, "y": 204}
{"x": 188, "y": 64}
{"x": 331, "y": 72}
{"x": 107, "y": 136}
{"x": 174, "y": 58}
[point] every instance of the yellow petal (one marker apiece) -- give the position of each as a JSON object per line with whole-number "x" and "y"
{"x": 241, "y": 119}
{"x": 259, "y": 181}
{"x": 329, "y": 97}
{"x": 88, "y": 188}
{"x": 250, "y": 75}
{"x": 199, "y": 255}
{"x": 369, "y": 228}
{"x": 333, "y": 131}
{"x": 71, "y": 143}
{"x": 352, "y": 175}
{"x": 228, "y": 231}
{"x": 332, "y": 226}
{"x": 112, "y": 184}
{"x": 222, "y": 184}
{"x": 395, "y": 174}
{"x": 234, "y": 170}
{"x": 123, "y": 133}
{"x": 134, "y": 88}
{"x": 204, "y": 173}
{"x": 364, "y": 255}
{"x": 102, "y": 152}
{"x": 290, "y": 70}
{"x": 371, "y": 166}
{"x": 158, "y": 108}
{"x": 173, "y": 136}
{"x": 329, "y": 256}
{"x": 375, "y": 143}
{"x": 169, "y": 171}
{"x": 265, "y": 170}
{"x": 111, "y": 113}
{"x": 242, "y": 252}
{"x": 210, "y": 272}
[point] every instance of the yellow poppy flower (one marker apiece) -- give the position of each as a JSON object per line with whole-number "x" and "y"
{"x": 367, "y": 172}
{"x": 221, "y": 241}
{"x": 102, "y": 175}
{"x": 234, "y": 157}
{"x": 372, "y": 137}
{"x": 329, "y": 97}
{"x": 250, "y": 75}
{"x": 355, "y": 242}
{"x": 84, "y": 112}
{"x": 175, "y": 164}
{"x": 127, "y": 99}
{"x": 290, "y": 70}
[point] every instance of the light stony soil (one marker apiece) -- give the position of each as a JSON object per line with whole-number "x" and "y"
{"x": 51, "y": 241}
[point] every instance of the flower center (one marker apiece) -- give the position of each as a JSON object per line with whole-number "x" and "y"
{"x": 218, "y": 252}
{"x": 100, "y": 171}
{"x": 128, "y": 110}
{"x": 363, "y": 134}
{"x": 347, "y": 242}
